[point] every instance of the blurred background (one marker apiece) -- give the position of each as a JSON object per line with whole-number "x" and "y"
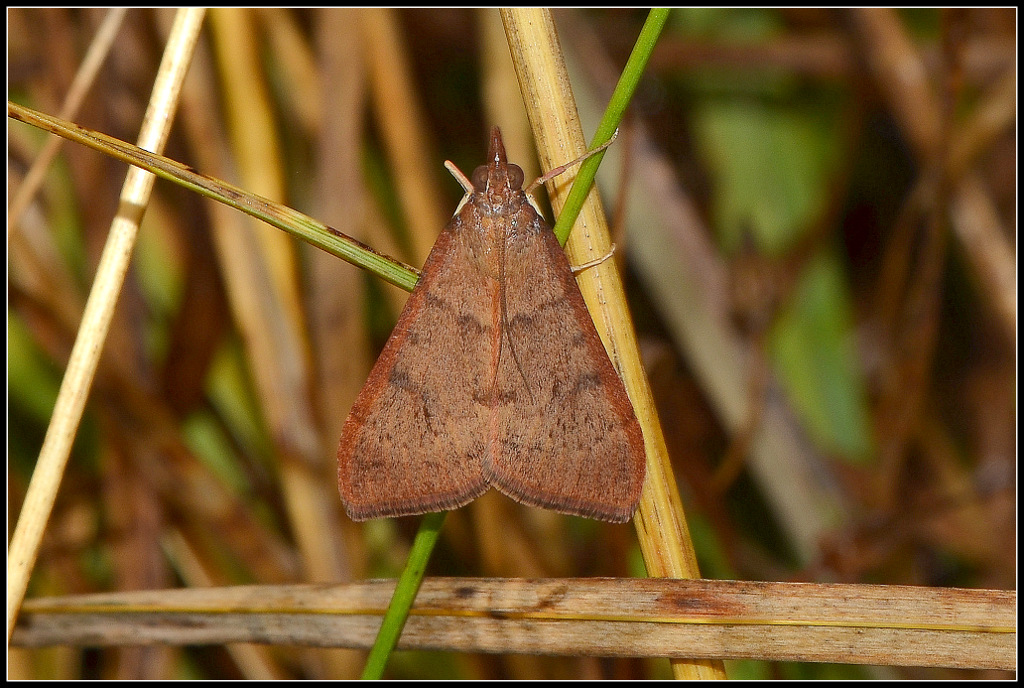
{"x": 815, "y": 212}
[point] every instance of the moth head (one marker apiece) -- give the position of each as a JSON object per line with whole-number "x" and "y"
{"x": 493, "y": 177}
{"x": 497, "y": 175}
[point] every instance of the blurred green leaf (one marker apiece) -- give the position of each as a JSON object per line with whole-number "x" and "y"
{"x": 32, "y": 380}
{"x": 813, "y": 350}
{"x": 230, "y": 393}
{"x": 771, "y": 168}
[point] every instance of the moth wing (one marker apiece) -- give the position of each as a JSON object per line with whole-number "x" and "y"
{"x": 567, "y": 437}
{"x": 414, "y": 440}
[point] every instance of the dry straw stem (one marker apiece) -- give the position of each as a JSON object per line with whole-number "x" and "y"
{"x": 74, "y": 390}
{"x": 646, "y": 617}
{"x": 661, "y": 525}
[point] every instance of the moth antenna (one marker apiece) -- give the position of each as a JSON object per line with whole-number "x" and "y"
{"x": 461, "y": 178}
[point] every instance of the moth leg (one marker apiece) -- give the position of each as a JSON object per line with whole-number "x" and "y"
{"x": 593, "y": 263}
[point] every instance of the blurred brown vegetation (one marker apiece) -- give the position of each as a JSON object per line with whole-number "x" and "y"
{"x": 853, "y": 171}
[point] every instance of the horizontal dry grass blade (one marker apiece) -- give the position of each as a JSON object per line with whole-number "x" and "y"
{"x": 858, "y": 624}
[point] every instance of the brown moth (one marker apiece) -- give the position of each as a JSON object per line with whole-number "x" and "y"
{"x": 494, "y": 376}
